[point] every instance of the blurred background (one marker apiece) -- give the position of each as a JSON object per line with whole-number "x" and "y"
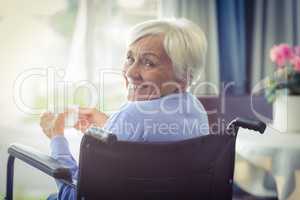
{"x": 49, "y": 47}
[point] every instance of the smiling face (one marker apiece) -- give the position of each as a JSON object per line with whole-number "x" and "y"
{"x": 148, "y": 70}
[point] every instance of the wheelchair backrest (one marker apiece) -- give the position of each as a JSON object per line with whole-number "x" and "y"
{"x": 199, "y": 168}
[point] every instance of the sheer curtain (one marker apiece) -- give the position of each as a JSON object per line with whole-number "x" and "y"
{"x": 76, "y": 69}
{"x": 274, "y": 22}
{"x": 203, "y": 13}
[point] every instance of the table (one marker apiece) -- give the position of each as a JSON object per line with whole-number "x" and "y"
{"x": 268, "y": 164}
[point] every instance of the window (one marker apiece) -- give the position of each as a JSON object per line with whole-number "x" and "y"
{"x": 43, "y": 37}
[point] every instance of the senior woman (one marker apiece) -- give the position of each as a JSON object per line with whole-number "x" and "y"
{"x": 163, "y": 58}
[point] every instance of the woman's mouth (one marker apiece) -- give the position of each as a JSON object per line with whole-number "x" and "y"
{"x": 136, "y": 87}
{"x": 142, "y": 91}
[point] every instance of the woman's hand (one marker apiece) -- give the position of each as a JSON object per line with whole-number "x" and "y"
{"x": 51, "y": 125}
{"x": 88, "y": 117}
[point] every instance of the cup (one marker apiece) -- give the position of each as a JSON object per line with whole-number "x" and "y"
{"x": 72, "y": 116}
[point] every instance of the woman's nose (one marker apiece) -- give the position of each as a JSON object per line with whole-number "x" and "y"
{"x": 133, "y": 71}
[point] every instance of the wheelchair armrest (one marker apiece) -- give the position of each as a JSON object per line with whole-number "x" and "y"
{"x": 255, "y": 125}
{"x": 40, "y": 161}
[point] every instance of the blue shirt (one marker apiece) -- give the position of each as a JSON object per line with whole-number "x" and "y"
{"x": 174, "y": 117}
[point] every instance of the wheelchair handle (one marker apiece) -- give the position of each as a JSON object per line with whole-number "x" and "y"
{"x": 102, "y": 135}
{"x": 255, "y": 125}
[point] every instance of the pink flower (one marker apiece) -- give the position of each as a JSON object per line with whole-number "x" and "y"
{"x": 276, "y": 56}
{"x": 286, "y": 51}
{"x": 280, "y": 60}
{"x": 281, "y": 53}
{"x": 274, "y": 53}
{"x": 296, "y": 62}
{"x": 297, "y": 50}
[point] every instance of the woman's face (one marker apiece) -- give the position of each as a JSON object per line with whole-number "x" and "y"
{"x": 148, "y": 70}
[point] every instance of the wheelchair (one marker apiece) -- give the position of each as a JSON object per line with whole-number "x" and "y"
{"x": 197, "y": 168}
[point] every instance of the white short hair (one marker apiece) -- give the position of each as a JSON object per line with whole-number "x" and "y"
{"x": 184, "y": 42}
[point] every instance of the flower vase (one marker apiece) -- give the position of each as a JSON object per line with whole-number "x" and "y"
{"x": 286, "y": 113}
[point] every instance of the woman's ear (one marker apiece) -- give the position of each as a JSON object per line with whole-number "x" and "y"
{"x": 185, "y": 81}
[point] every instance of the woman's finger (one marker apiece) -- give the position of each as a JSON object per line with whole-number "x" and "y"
{"x": 82, "y": 125}
{"x": 46, "y": 120}
{"x": 61, "y": 116}
{"x": 47, "y": 114}
{"x": 76, "y": 126}
{"x": 83, "y": 116}
{"x": 86, "y": 111}
{"x": 79, "y": 128}
{"x": 44, "y": 114}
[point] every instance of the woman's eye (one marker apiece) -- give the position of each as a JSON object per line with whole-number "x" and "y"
{"x": 129, "y": 60}
{"x": 149, "y": 63}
